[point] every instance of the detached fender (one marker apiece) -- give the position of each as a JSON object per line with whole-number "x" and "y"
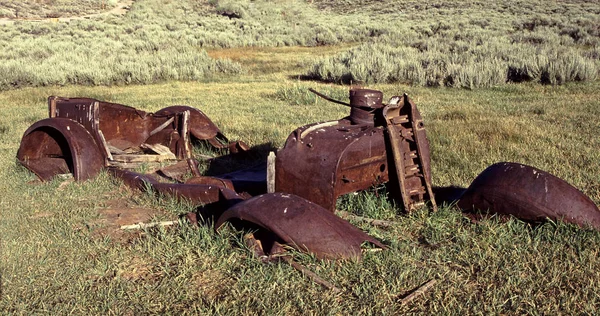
{"x": 529, "y": 194}
{"x": 55, "y": 146}
{"x": 301, "y": 224}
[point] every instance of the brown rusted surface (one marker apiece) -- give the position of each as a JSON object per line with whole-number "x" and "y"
{"x": 224, "y": 183}
{"x": 529, "y": 194}
{"x": 56, "y": 146}
{"x": 238, "y": 147}
{"x": 122, "y": 127}
{"x": 198, "y": 193}
{"x": 178, "y": 171}
{"x": 201, "y": 127}
{"x": 300, "y": 224}
{"x": 323, "y": 161}
{"x": 410, "y": 150}
{"x": 364, "y": 105}
{"x": 116, "y": 132}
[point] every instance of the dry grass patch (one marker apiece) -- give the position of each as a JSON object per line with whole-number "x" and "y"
{"x": 138, "y": 268}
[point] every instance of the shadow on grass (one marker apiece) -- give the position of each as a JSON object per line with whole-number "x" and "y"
{"x": 230, "y": 163}
{"x": 346, "y": 79}
{"x": 447, "y": 195}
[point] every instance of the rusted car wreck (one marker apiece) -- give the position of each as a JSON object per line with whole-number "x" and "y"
{"x": 376, "y": 143}
{"x": 82, "y": 136}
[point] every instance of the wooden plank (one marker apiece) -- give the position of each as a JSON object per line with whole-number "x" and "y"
{"x": 158, "y": 149}
{"x": 115, "y": 151}
{"x": 271, "y": 172}
{"x": 143, "y": 158}
{"x": 133, "y": 165}
{"x": 142, "y": 225}
{"x": 161, "y": 127}
{"x": 418, "y": 292}
{"x": 185, "y": 133}
{"x": 105, "y": 145}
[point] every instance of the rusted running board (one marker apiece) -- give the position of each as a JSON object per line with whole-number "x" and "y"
{"x": 197, "y": 193}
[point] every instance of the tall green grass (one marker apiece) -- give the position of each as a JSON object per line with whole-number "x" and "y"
{"x": 298, "y": 94}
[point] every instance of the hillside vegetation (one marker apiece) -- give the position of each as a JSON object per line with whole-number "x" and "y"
{"x": 36, "y": 9}
{"x": 464, "y": 43}
{"x": 470, "y": 43}
{"x": 161, "y": 40}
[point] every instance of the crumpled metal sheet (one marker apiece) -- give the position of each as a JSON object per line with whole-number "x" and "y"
{"x": 529, "y": 194}
{"x": 301, "y": 224}
{"x": 58, "y": 145}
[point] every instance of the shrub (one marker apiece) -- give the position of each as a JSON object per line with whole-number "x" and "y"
{"x": 460, "y": 43}
{"x": 232, "y": 9}
{"x": 482, "y": 66}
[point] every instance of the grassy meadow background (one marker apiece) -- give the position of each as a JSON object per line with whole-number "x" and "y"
{"x": 511, "y": 81}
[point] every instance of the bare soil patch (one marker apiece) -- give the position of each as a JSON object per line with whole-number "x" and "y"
{"x": 118, "y": 213}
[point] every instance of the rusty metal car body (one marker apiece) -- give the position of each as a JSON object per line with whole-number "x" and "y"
{"x": 529, "y": 194}
{"x": 323, "y": 161}
{"x": 84, "y": 135}
{"x": 377, "y": 143}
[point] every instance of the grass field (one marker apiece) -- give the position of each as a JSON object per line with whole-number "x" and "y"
{"x": 62, "y": 251}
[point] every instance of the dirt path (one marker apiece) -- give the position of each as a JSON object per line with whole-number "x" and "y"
{"x": 120, "y": 8}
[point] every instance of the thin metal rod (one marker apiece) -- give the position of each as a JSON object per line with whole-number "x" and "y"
{"x": 328, "y": 98}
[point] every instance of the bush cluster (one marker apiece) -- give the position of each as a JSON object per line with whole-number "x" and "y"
{"x": 162, "y": 40}
{"x": 485, "y": 65}
{"x": 39, "y": 9}
{"x": 483, "y": 45}
{"x": 462, "y": 43}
